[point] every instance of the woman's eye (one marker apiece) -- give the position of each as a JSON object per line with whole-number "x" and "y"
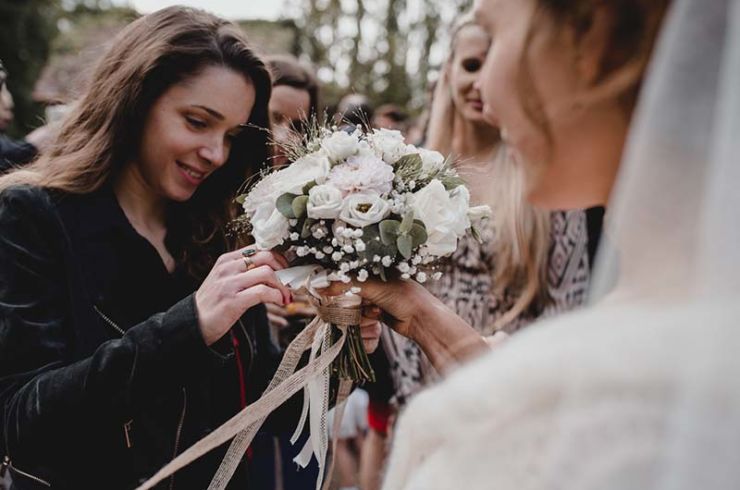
{"x": 196, "y": 123}
{"x": 471, "y": 65}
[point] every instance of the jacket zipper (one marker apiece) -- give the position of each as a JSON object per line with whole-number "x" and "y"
{"x": 8, "y": 464}
{"x": 127, "y": 425}
{"x": 179, "y": 432}
{"x": 109, "y": 321}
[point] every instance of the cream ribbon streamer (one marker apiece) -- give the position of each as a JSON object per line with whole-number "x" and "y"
{"x": 313, "y": 378}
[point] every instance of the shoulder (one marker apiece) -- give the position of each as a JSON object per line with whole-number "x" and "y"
{"x": 30, "y": 208}
{"x": 25, "y": 198}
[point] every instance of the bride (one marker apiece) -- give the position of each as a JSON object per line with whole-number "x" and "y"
{"x": 640, "y": 390}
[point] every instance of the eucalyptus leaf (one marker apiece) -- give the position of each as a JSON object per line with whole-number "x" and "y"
{"x": 405, "y": 245}
{"x": 407, "y": 223}
{"x": 299, "y": 206}
{"x": 309, "y": 186}
{"x": 306, "y": 228}
{"x": 284, "y": 204}
{"x": 389, "y": 230}
{"x": 376, "y": 247}
{"x": 418, "y": 235}
{"x": 382, "y": 274}
{"x": 452, "y": 181}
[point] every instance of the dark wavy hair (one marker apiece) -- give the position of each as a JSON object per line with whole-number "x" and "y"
{"x": 103, "y": 132}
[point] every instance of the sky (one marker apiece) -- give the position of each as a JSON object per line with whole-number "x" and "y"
{"x": 230, "y": 9}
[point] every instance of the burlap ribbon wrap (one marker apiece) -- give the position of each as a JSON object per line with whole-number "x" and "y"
{"x": 314, "y": 378}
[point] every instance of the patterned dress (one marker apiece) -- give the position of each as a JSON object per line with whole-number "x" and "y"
{"x": 466, "y": 287}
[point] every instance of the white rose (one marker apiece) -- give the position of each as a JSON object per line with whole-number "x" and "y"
{"x": 431, "y": 161}
{"x": 444, "y": 215}
{"x": 340, "y": 146}
{"x": 311, "y": 167}
{"x": 460, "y": 205}
{"x": 269, "y": 227}
{"x": 478, "y": 213}
{"x": 388, "y": 144}
{"x": 324, "y": 202}
{"x": 364, "y": 209}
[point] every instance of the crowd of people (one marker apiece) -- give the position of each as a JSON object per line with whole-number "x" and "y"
{"x": 133, "y": 323}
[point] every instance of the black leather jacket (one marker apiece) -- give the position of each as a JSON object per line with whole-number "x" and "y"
{"x": 104, "y": 375}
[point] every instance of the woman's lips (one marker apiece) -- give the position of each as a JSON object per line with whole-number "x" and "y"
{"x": 195, "y": 177}
{"x": 476, "y": 104}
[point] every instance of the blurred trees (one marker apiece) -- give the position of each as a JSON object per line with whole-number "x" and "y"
{"x": 29, "y": 34}
{"x": 387, "y": 49}
{"x": 27, "y": 29}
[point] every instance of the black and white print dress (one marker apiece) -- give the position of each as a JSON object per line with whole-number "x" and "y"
{"x": 466, "y": 287}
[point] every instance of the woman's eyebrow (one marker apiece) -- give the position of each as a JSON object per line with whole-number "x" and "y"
{"x": 210, "y": 111}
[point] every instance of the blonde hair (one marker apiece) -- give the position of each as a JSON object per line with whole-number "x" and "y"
{"x": 442, "y": 112}
{"x": 522, "y": 232}
{"x": 521, "y": 242}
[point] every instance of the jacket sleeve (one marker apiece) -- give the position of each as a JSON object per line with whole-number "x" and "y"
{"x": 43, "y": 392}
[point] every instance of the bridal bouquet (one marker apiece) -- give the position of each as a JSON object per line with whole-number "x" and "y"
{"x": 360, "y": 205}
{"x": 350, "y": 206}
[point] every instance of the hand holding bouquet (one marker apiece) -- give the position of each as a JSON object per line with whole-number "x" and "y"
{"x": 360, "y": 205}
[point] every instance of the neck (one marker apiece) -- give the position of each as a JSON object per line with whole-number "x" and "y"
{"x": 473, "y": 141}
{"x": 585, "y": 176}
{"x": 144, "y": 208}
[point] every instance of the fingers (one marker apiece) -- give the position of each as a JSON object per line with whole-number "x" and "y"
{"x": 263, "y": 275}
{"x": 372, "y": 312}
{"x": 276, "y": 320}
{"x": 297, "y": 308}
{"x": 242, "y": 264}
{"x": 370, "y": 331}
{"x": 261, "y": 293}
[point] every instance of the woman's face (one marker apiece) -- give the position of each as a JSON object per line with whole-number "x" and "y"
{"x": 289, "y": 108}
{"x": 577, "y": 166}
{"x": 188, "y": 132}
{"x": 470, "y": 48}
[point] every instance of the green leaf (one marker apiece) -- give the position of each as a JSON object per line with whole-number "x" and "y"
{"x": 299, "y": 206}
{"x": 407, "y": 223}
{"x": 405, "y": 245}
{"x": 389, "y": 230}
{"x": 285, "y": 205}
{"x": 476, "y": 234}
{"x": 452, "y": 181}
{"x": 374, "y": 246}
{"x": 408, "y": 163}
{"x": 382, "y": 274}
{"x": 408, "y": 167}
{"x": 418, "y": 235}
{"x": 241, "y": 198}
{"x": 309, "y": 186}
{"x": 306, "y": 228}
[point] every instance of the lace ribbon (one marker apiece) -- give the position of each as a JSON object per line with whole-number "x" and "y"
{"x": 342, "y": 311}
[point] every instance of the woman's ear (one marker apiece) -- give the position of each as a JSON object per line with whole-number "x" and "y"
{"x": 593, "y": 44}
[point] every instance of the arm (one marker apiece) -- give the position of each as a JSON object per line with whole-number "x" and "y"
{"x": 46, "y": 396}
{"x": 443, "y": 336}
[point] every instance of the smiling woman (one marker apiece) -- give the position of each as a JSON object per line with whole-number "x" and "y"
{"x": 117, "y": 291}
